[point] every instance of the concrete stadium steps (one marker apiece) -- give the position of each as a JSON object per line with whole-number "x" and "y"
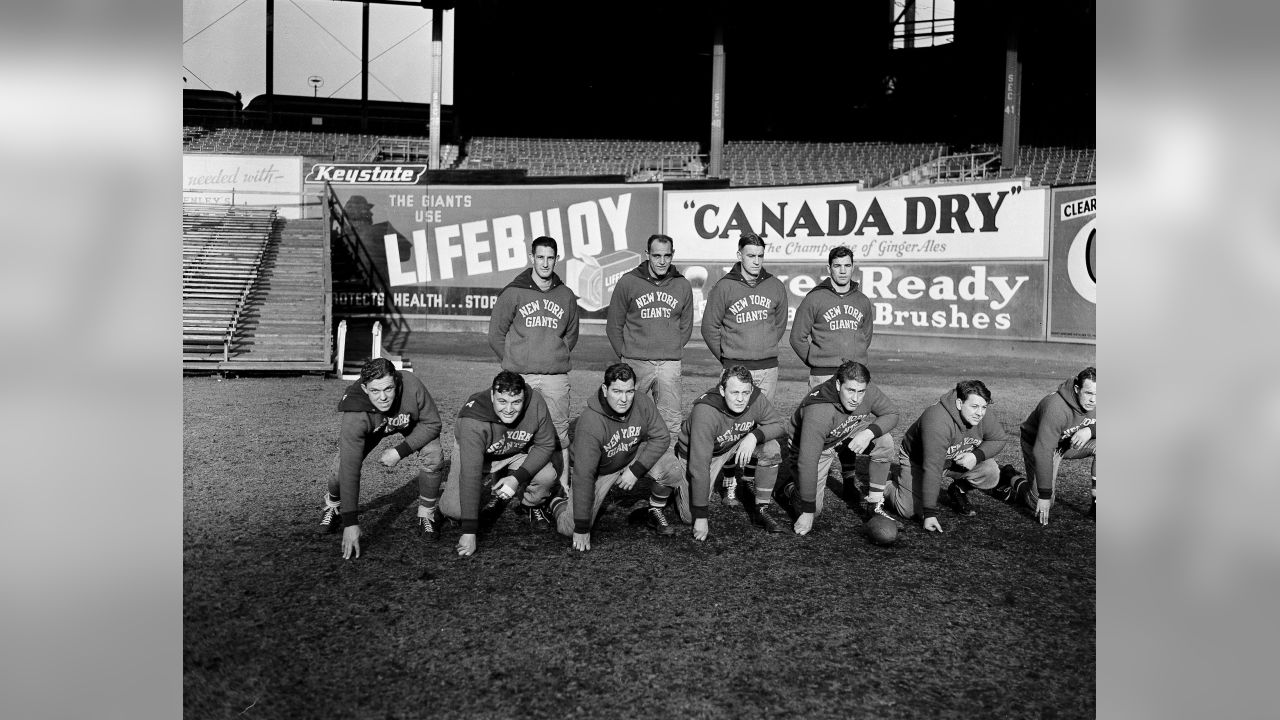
{"x": 283, "y": 326}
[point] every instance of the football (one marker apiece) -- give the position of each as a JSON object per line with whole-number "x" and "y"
{"x": 882, "y": 530}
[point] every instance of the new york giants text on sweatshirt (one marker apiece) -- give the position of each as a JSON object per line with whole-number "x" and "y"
{"x": 742, "y": 323}
{"x": 939, "y": 435}
{"x": 712, "y": 429}
{"x": 532, "y": 330}
{"x": 1050, "y": 426}
{"x": 650, "y": 318}
{"x": 605, "y": 442}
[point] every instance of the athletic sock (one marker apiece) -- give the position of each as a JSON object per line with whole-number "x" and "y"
{"x": 659, "y": 499}
{"x": 426, "y": 506}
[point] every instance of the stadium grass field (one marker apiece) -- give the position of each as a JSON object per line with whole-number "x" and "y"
{"x": 994, "y": 618}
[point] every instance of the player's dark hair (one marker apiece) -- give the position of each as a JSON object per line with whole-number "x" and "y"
{"x": 1089, "y": 373}
{"x": 618, "y": 371}
{"x": 750, "y": 239}
{"x": 376, "y": 369}
{"x": 508, "y": 383}
{"x": 544, "y": 241}
{"x": 839, "y": 251}
{"x": 736, "y": 371}
{"x": 965, "y": 388}
{"x": 852, "y": 370}
{"x": 659, "y": 237}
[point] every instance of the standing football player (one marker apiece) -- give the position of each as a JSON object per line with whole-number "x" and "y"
{"x": 834, "y": 322}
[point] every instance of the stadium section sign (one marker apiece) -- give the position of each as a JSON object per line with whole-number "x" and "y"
{"x": 993, "y": 300}
{"x": 984, "y": 221}
{"x": 255, "y": 180}
{"x": 449, "y": 249}
{"x": 1073, "y": 264}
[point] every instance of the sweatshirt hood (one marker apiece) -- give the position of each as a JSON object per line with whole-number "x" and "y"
{"x": 826, "y": 285}
{"x": 525, "y": 281}
{"x": 642, "y": 271}
{"x": 826, "y": 392}
{"x": 354, "y": 399}
{"x": 713, "y": 398}
{"x": 1067, "y": 391}
{"x": 948, "y": 403}
{"x": 599, "y": 404}
{"x": 736, "y": 274}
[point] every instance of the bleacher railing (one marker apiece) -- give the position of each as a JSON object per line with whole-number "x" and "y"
{"x": 342, "y": 230}
{"x": 212, "y": 278}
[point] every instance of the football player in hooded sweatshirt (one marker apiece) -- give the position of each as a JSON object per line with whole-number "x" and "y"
{"x": 650, "y": 320}
{"x": 618, "y": 439}
{"x": 834, "y": 322}
{"x": 534, "y": 326}
{"x": 1064, "y": 426}
{"x": 503, "y": 442}
{"x": 957, "y": 437}
{"x": 745, "y": 318}
{"x": 845, "y": 416}
{"x": 727, "y": 421}
{"x": 382, "y": 403}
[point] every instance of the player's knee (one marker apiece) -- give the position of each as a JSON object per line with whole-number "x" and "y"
{"x": 431, "y": 456}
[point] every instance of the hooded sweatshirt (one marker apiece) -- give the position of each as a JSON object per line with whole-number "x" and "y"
{"x": 533, "y": 331}
{"x": 743, "y": 323}
{"x": 483, "y": 437}
{"x": 939, "y": 435}
{"x": 831, "y": 327}
{"x": 1050, "y": 426}
{"x": 821, "y": 423}
{"x": 650, "y": 318}
{"x": 413, "y": 413}
{"x": 712, "y": 429}
{"x": 605, "y": 442}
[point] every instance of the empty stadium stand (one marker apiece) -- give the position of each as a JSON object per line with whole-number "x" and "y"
{"x": 550, "y": 157}
{"x": 256, "y": 292}
{"x": 1053, "y": 165}
{"x": 772, "y": 162}
{"x": 338, "y": 147}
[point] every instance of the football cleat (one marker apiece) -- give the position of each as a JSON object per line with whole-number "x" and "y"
{"x": 539, "y": 518}
{"x": 870, "y": 510}
{"x": 331, "y": 519}
{"x": 765, "y": 519}
{"x": 960, "y": 500}
{"x": 429, "y": 526}
{"x": 656, "y": 518}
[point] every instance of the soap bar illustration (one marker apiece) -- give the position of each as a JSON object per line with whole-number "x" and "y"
{"x": 593, "y": 279}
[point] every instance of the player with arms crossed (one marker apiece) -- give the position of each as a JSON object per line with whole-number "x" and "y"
{"x": 845, "y": 416}
{"x": 957, "y": 437}
{"x": 727, "y": 421}
{"x": 618, "y": 439}
{"x": 503, "y": 442}
{"x": 1064, "y": 426}
{"x": 534, "y": 327}
{"x": 383, "y": 403}
{"x": 745, "y": 318}
{"x": 834, "y": 322}
{"x": 650, "y": 320}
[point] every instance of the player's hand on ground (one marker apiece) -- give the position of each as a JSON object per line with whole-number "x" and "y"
{"x": 804, "y": 523}
{"x": 467, "y": 545}
{"x": 861, "y": 440}
{"x": 350, "y": 541}
{"x": 389, "y": 457}
{"x": 1080, "y": 437}
{"x": 746, "y": 447}
{"x": 932, "y": 524}
{"x": 582, "y": 541}
{"x": 966, "y": 460}
{"x": 701, "y": 529}
{"x": 1042, "y": 510}
{"x": 626, "y": 480}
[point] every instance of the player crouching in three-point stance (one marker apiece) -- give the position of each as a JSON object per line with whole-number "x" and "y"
{"x": 845, "y": 416}
{"x": 504, "y": 441}
{"x": 1062, "y": 427}
{"x": 618, "y": 439}
{"x": 956, "y": 437}
{"x": 382, "y": 403}
{"x": 727, "y": 421}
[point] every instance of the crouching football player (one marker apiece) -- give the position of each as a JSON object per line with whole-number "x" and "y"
{"x": 384, "y": 402}
{"x": 844, "y": 416}
{"x": 727, "y": 421}
{"x": 1062, "y": 427}
{"x": 956, "y": 437}
{"x": 503, "y": 442}
{"x": 619, "y": 438}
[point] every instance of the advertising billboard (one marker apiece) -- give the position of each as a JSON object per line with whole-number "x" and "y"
{"x": 1073, "y": 265}
{"x": 450, "y": 249}
{"x": 980, "y": 221}
{"x": 254, "y": 180}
